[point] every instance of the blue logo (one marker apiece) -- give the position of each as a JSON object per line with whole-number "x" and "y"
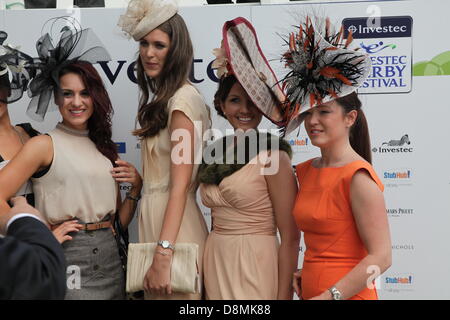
{"x": 121, "y": 147}
{"x": 376, "y": 47}
{"x": 378, "y": 27}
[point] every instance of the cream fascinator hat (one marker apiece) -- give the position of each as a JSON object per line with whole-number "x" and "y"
{"x": 143, "y": 16}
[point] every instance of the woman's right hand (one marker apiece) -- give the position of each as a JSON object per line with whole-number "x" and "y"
{"x": 297, "y": 283}
{"x": 157, "y": 278}
{"x": 61, "y": 233}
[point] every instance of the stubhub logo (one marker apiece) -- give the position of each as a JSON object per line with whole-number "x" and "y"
{"x": 397, "y": 174}
{"x": 299, "y": 142}
{"x": 399, "y": 280}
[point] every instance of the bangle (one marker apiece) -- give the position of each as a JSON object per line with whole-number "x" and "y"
{"x": 163, "y": 253}
{"x": 129, "y": 196}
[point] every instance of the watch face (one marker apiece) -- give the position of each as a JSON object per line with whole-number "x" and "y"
{"x": 165, "y": 244}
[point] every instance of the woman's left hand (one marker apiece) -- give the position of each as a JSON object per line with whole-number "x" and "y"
{"x": 126, "y": 172}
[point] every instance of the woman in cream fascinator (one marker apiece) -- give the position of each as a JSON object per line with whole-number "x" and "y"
{"x": 168, "y": 104}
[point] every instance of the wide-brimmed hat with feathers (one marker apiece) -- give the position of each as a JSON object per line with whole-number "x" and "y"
{"x": 322, "y": 66}
{"x": 240, "y": 55}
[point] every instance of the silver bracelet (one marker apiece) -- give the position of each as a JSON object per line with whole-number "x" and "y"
{"x": 163, "y": 253}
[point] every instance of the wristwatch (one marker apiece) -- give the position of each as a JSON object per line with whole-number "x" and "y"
{"x": 335, "y": 293}
{"x": 165, "y": 244}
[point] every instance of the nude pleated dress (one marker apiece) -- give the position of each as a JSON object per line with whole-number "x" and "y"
{"x": 241, "y": 254}
{"x": 156, "y": 161}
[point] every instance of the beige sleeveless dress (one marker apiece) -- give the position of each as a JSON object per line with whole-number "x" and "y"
{"x": 156, "y": 161}
{"x": 241, "y": 253}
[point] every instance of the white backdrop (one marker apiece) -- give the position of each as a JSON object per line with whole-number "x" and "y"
{"x": 417, "y": 197}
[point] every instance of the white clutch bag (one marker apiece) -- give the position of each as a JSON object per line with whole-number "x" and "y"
{"x": 184, "y": 272}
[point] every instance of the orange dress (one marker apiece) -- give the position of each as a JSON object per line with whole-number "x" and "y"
{"x": 323, "y": 212}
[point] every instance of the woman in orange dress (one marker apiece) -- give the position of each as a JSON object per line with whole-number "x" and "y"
{"x": 340, "y": 205}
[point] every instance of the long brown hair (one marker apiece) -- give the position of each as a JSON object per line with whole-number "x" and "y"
{"x": 99, "y": 124}
{"x": 359, "y": 132}
{"x": 152, "y": 116}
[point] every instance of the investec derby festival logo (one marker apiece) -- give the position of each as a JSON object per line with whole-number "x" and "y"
{"x": 402, "y": 145}
{"x": 388, "y": 43}
{"x": 372, "y": 48}
{"x": 398, "y": 177}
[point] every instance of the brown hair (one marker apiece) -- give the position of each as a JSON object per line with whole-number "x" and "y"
{"x": 152, "y": 116}
{"x": 223, "y": 90}
{"x": 359, "y": 132}
{"x": 5, "y": 87}
{"x": 99, "y": 124}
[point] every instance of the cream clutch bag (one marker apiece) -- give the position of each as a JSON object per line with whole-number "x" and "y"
{"x": 183, "y": 275}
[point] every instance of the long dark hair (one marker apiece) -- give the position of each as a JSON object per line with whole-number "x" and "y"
{"x": 99, "y": 124}
{"x": 5, "y": 86}
{"x": 152, "y": 116}
{"x": 359, "y": 132}
{"x": 223, "y": 90}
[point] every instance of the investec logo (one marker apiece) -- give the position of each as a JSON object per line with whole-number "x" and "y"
{"x": 381, "y": 27}
{"x": 378, "y": 30}
{"x": 402, "y": 145}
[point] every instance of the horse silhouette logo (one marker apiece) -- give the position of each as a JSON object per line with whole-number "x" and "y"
{"x": 402, "y": 141}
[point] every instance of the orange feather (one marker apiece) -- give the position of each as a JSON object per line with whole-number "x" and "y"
{"x": 332, "y": 93}
{"x": 329, "y": 72}
{"x": 349, "y": 39}
{"x": 343, "y": 79}
{"x": 291, "y": 42}
{"x": 312, "y": 99}
{"x": 338, "y": 39}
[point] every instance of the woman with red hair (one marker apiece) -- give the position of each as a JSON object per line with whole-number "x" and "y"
{"x": 75, "y": 172}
